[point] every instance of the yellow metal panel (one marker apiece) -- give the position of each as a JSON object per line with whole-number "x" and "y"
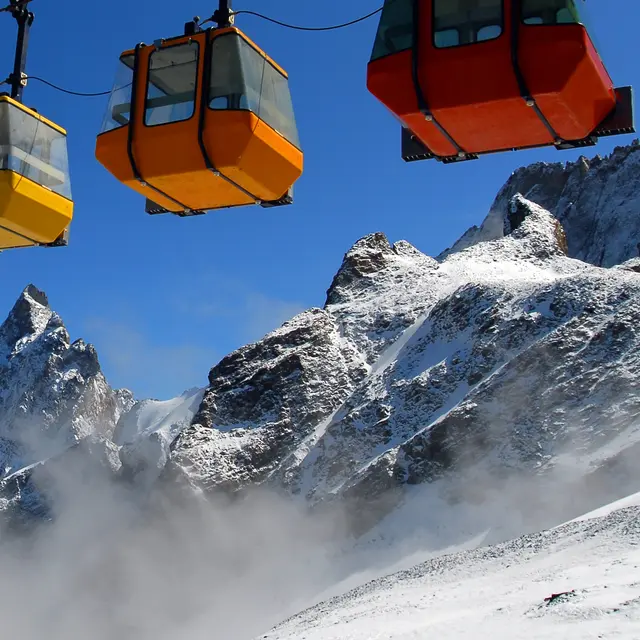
{"x": 32, "y": 210}
{"x": 33, "y": 113}
{"x": 10, "y": 240}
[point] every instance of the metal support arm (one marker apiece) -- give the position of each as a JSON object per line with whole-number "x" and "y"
{"x": 24, "y": 18}
{"x": 224, "y": 14}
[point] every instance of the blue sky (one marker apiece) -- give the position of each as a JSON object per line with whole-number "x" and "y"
{"x": 164, "y": 298}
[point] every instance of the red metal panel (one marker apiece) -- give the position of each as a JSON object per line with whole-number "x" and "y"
{"x": 473, "y": 92}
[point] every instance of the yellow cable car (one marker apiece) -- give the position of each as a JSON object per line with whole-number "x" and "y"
{"x": 202, "y": 121}
{"x": 35, "y": 192}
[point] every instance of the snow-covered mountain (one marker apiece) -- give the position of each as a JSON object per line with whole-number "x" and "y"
{"x": 501, "y": 358}
{"x": 512, "y": 355}
{"x": 52, "y": 392}
{"x": 596, "y": 201}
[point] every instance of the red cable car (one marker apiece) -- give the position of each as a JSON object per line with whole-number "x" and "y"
{"x": 469, "y": 77}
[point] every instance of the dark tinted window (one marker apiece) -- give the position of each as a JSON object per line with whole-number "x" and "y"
{"x": 395, "y": 31}
{"x": 550, "y": 12}
{"x": 457, "y": 22}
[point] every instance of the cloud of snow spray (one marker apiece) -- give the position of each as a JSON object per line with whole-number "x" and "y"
{"x": 178, "y": 567}
{"x": 112, "y": 566}
{"x": 476, "y": 504}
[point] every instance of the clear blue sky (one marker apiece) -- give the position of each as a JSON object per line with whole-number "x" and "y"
{"x": 164, "y": 298}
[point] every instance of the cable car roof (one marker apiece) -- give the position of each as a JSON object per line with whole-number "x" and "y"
{"x": 34, "y": 114}
{"x": 219, "y": 32}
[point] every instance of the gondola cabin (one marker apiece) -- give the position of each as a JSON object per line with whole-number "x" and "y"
{"x": 469, "y": 77}
{"x": 35, "y": 192}
{"x": 202, "y": 121}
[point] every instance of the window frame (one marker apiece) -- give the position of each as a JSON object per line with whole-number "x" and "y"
{"x": 554, "y": 24}
{"x": 466, "y": 44}
{"x": 206, "y": 95}
{"x": 196, "y": 87}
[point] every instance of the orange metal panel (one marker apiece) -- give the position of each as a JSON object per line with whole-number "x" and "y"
{"x": 251, "y": 153}
{"x": 111, "y": 152}
{"x": 243, "y": 148}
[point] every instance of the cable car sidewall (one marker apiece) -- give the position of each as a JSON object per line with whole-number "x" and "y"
{"x": 472, "y": 91}
{"x": 212, "y": 159}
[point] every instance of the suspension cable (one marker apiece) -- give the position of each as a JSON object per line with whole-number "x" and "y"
{"x": 301, "y": 28}
{"x": 72, "y": 93}
{"x": 235, "y": 13}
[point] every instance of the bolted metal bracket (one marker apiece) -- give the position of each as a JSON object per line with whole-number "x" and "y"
{"x": 223, "y": 15}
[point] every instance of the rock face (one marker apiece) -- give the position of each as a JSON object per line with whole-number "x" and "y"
{"x": 265, "y": 399}
{"x": 595, "y": 200}
{"x": 52, "y": 393}
{"x": 502, "y": 357}
{"x": 509, "y": 354}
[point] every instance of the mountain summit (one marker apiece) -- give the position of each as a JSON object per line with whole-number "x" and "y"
{"x": 511, "y": 353}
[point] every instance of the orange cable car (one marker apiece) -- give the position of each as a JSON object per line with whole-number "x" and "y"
{"x": 202, "y": 121}
{"x": 470, "y": 77}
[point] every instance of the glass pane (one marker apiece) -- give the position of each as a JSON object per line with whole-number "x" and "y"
{"x": 171, "y": 90}
{"x": 447, "y": 38}
{"x": 119, "y": 106}
{"x": 253, "y": 65}
{"x": 395, "y": 30}
{"x": 242, "y": 78}
{"x": 276, "y": 107}
{"x": 550, "y": 12}
{"x": 472, "y": 20}
{"x": 489, "y": 33}
{"x": 233, "y": 84}
{"x": 33, "y": 149}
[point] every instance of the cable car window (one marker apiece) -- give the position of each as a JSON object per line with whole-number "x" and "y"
{"x": 447, "y": 38}
{"x": 395, "y": 30}
{"x": 472, "y": 20}
{"x": 243, "y": 79}
{"x": 33, "y": 149}
{"x": 489, "y": 33}
{"x": 171, "y": 89}
{"x": 276, "y": 107}
{"x": 550, "y": 12}
{"x": 119, "y": 106}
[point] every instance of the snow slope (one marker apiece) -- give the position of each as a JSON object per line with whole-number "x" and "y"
{"x": 499, "y": 592}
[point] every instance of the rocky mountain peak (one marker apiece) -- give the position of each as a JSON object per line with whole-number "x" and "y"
{"x": 499, "y": 355}
{"x": 596, "y": 200}
{"x": 30, "y": 316}
{"x": 370, "y": 255}
{"x": 52, "y": 391}
{"x": 525, "y": 220}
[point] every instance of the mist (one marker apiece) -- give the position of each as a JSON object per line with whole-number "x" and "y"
{"x": 104, "y": 556}
{"x": 110, "y": 562}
